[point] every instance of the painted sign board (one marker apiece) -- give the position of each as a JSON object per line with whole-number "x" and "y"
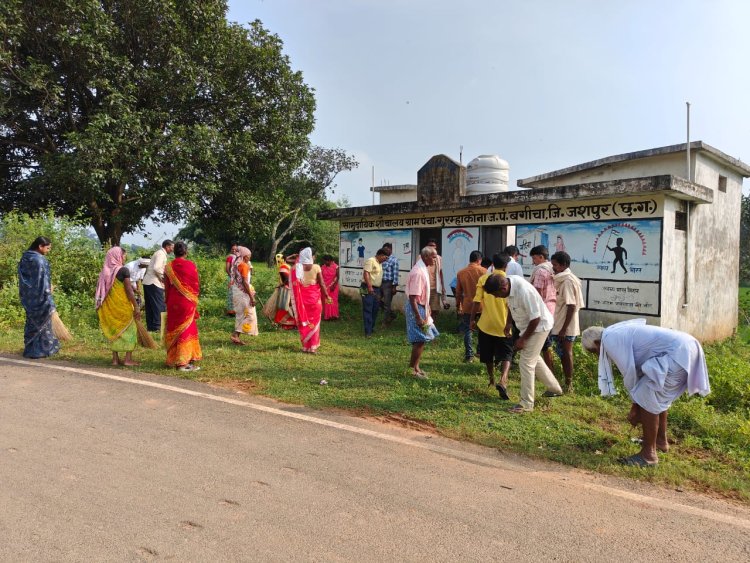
{"x": 357, "y": 246}
{"x": 620, "y": 259}
{"x": 456, "y": 246}
{"x": 623, "y": 209}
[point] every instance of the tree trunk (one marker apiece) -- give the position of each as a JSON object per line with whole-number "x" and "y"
{"x": 276, "y": 240}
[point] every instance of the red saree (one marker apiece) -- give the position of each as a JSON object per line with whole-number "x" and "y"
{"x": 331, "y": 310}
{"x": 181, "y": 289}
{"x": 308, "y": 308}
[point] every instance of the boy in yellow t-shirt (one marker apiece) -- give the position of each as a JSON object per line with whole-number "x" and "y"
{"x": 495, "y": 344}
{"x": 372, "y": 277}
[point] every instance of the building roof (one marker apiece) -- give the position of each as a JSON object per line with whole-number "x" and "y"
{"x": 672, "y": 185}
{"x": 696, "y": 146}
{"x": 395, "y": 188}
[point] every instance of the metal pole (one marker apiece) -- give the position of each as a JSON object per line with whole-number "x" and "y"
{"x": 688, "y": 142}
{"x": 687, "y": 218}
{"x": 373, "y": 184}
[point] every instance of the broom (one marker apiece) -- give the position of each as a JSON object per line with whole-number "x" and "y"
{"x": 59, "y": 329}
{"x": 144, "y": 338}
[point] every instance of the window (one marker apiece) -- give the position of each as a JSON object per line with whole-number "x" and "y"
{"x": 680, "y": 221}
{"x": 722, "y": 183}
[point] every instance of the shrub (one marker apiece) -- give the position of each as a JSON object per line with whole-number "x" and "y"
{"x": 75, "y": 259}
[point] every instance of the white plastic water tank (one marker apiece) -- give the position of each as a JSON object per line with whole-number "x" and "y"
{"x": 486, "y": 174}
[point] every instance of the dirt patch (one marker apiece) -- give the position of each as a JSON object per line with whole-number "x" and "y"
{"x": 244, "y": 386}
{"x": 404, "y": 422}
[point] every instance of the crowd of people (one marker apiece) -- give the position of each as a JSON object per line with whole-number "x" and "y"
{"x": 514, "y": 318}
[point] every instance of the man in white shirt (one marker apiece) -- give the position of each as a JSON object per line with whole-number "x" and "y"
{"x": 657, "y": 366}
{"x": 137, "y": 272}
{"x": 534, "y": 322}
{"x": 514, "y": 268}
{"x": 153, "y": 286}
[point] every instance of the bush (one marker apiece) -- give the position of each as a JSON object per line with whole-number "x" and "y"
{"x": 75, "y": 259}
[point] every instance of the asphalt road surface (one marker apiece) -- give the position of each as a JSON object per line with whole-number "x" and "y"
{"x": 109, "y": 465}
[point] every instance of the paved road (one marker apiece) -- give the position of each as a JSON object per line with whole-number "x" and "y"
{"x": 107, "y": 465}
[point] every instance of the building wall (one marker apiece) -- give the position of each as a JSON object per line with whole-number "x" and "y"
{"x": 397, "y": 196}
{"x": 713, "y": 266}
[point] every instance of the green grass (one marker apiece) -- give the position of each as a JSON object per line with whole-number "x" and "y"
{"x": 369, "y": 377}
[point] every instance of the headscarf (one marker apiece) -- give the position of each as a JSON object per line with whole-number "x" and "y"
{"x": 113, "y": 261}
{"x": 242, "y": 251}
{"x": 305, "y": 257}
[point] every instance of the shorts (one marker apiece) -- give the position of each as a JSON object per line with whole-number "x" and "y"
{"x": 494, "y": 348}
{"x": 558, "y": 343}
{"x": 435, "y": 302}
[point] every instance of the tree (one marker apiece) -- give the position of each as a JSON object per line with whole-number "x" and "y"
{"x": 281, "y": 213}
{"x": 120, "y": 110}
{"x": 745, "y": 241}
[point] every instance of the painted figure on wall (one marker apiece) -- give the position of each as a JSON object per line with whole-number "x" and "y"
{"x": 619, "y": 253}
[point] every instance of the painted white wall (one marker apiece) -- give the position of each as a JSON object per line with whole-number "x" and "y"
{"x": 713, "y": 264}
{"x": 398, "y": 196}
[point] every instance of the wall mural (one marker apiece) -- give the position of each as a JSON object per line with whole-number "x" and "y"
{"x": 456, "y": 245}
{"x": 357, "y": 246}
{"x": 619, "y": 261}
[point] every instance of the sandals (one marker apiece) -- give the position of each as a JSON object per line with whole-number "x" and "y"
{"x": 518, "y": 409}
{"x": 503, "y": 392}
{"x": 419, "y": 374}
{"x": 637, "y": 460}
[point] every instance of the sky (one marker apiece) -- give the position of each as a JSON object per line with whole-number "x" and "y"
{"x": 544, "y": 84}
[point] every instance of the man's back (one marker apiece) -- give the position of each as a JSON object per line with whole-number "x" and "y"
{"x": 466, "y": 286}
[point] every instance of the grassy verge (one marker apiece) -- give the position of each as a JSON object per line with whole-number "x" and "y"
{"x": 712, "y": 449}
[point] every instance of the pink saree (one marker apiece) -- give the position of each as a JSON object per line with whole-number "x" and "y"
{"x": 331, "y": 311}
{"x": 308, "y": 306}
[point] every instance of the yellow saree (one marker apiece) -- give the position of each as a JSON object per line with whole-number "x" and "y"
{"x": 116, "y": 319}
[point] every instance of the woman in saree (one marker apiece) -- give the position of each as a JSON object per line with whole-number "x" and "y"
{"x": 117, "y": 308}
{"x": 307, "y": 287}
{"x": 330, "y": 271}
{"x": 35, "y": 291}
{"x": 181, "y": 290}
{"x": 278, "y": 309}
{"x": 228, "y": 262}
{"x": 243, "y": 297}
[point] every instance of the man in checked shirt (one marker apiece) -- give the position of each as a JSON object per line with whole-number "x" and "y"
{"x": 390, "y": 284}
{"x": 542, "y": 280}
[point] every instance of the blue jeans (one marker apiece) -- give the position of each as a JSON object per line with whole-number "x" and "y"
{"x": 370, "y": 306}
{"x": 464, "y": 327}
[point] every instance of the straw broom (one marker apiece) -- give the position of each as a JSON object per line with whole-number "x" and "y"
{"x": 59, "y": 329}
{"x": 144, "y": 338}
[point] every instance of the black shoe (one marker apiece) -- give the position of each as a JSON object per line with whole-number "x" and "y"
{"x": 551, "y": 394}
{"x": 503, "y": 392}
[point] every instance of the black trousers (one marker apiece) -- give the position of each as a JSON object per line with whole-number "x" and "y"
{"x": 155, "y": 306}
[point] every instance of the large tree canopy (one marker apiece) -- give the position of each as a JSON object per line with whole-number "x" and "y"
{"x": 120, "y": 110}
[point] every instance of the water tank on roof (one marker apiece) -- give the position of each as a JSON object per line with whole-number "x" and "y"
{"x": 486, "y": 174}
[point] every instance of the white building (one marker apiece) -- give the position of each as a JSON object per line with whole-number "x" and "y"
{"x": 679, "y": 244}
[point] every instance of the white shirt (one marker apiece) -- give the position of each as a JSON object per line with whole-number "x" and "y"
{"x": 526, "y": 304}
{"x": 136, "y": 272}
{"x": 155, "y": 271}
{"x": 514, "y": 269}
{"x": 632, "y": 344}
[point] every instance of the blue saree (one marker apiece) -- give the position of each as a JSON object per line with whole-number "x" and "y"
{"x": 35, "y": 290}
